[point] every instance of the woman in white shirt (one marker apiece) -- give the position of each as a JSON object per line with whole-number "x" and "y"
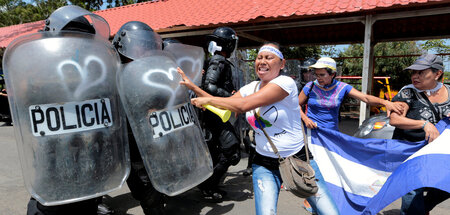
{"x": 275, "y": 101}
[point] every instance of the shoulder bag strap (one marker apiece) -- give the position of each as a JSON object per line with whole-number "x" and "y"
{"x": 274, "y": 148}
{"x": 305, "y": 141}
{"x": 438, "y": 117}
{"x": 309, "y": 92}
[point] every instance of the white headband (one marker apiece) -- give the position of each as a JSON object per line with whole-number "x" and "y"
{"x": 272, "y": 50}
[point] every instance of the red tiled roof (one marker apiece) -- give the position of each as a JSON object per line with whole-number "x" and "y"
{"x": 9, "y": 33}
{"x": 171, "y": 13}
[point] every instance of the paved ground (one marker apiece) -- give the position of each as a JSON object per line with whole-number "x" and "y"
{"x": 14, "y": 197}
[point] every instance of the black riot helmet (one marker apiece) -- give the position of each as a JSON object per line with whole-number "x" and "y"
{"x": 305, "y": 72}
{"x": 307, "y": 63}
{"x": 80, "y": 24}
{"x": 225, "y": 37}
{"x": 168, "y": 41}
{"x": 136, "y": 40}
{"x": 73, "y": 18}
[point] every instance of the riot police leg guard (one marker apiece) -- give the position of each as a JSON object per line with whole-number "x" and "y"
{"x": 224, "y": 149}
{"x": 209, "y": 187}
{"x": 229, "y": 144}
{"x": 152, "y": 201}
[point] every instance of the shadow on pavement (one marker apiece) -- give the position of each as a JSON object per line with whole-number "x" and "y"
{"x": 238, "y": 187}
{"x": 390, "y": 212}
{"x": 121, "y": 203}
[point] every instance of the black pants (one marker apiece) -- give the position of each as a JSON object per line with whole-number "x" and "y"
{"x": 5, "y": 114}
{"x": 152, "y": 201}
{"x": 86, "y": 207}
{"x": 223, "y": 146}
{"x": 250, "y": 149}
{"x": 434, "y": 197}
{"x": 418, "y": 204}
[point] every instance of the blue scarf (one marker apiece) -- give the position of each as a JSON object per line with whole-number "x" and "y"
{"x": 334, "y": 82}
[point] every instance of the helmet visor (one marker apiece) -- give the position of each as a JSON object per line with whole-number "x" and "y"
{"x": 62, "y": 16}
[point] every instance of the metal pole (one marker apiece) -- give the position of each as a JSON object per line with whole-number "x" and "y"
{"x": 367, "y": 72}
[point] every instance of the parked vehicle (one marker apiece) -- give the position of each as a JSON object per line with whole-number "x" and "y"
{"x": 377, "y": 127}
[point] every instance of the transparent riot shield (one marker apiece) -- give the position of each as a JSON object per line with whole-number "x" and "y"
{"x": 240, "y": 70}
{"x": 164, "y": 123}
{"x": 69, "y": 125}
{"x": 190, "y": 59}
{"x": 293, "y": 70}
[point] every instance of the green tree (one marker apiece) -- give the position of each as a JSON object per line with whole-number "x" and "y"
{"x": 437, "y": 46}
{"x": 302, "y": 52}
{"x": 88, "y": 4}
{"x": 15, "y": 12}
{"x": 117, "y": 3}
{"x": 18, "y": 12}
{"x": 350, "y": 61}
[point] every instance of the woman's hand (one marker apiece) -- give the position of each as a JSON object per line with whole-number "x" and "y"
{"x": 309, "y": 123}
{"x": 398, "y": 107}
{"x": 405, "y": 107}
{"x": 3, "y": 93}
{"x": 200, "y": 101}
{"x": 186, "y": 81}
{"x": 431, "y": 132}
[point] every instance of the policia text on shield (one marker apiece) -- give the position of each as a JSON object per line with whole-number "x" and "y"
{"x": 51, "y": 119}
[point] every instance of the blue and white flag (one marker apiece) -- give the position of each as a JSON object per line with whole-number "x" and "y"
{"x": 366, "y": 175}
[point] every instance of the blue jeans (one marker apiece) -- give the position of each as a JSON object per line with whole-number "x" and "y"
{"x": 266, "y": 186}
{"x": 322, "y": 202}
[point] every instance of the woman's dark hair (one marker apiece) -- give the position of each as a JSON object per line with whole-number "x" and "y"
{"x": 272, "y": 43}
{"x": 330, "y": 71}
{"x": 435, "y": 71}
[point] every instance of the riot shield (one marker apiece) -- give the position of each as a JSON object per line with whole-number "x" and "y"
{"x": 293, "y": 70}
{"x": 69, "y": 124}
{"x": 164, "y": 123}
{"x": 189, "y": 59}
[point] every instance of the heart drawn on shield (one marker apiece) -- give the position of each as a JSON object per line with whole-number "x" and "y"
{"x": 85, "y": 83}
{"x": 171, "y": 74}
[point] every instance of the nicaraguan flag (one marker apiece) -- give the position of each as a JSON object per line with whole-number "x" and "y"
{"x": 366, "y": 175}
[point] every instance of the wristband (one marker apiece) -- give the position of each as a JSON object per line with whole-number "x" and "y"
{"x": 424, "y": 124}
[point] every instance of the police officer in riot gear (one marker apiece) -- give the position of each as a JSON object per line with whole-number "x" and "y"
{"x": 306, "y": 74}
{"x": 71, "y": 19}
{"x": 152, "y": 201}
{"x": 79, "y": 24}
{"x": 217, "y": 81}
{"x": 167, "y": 41}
